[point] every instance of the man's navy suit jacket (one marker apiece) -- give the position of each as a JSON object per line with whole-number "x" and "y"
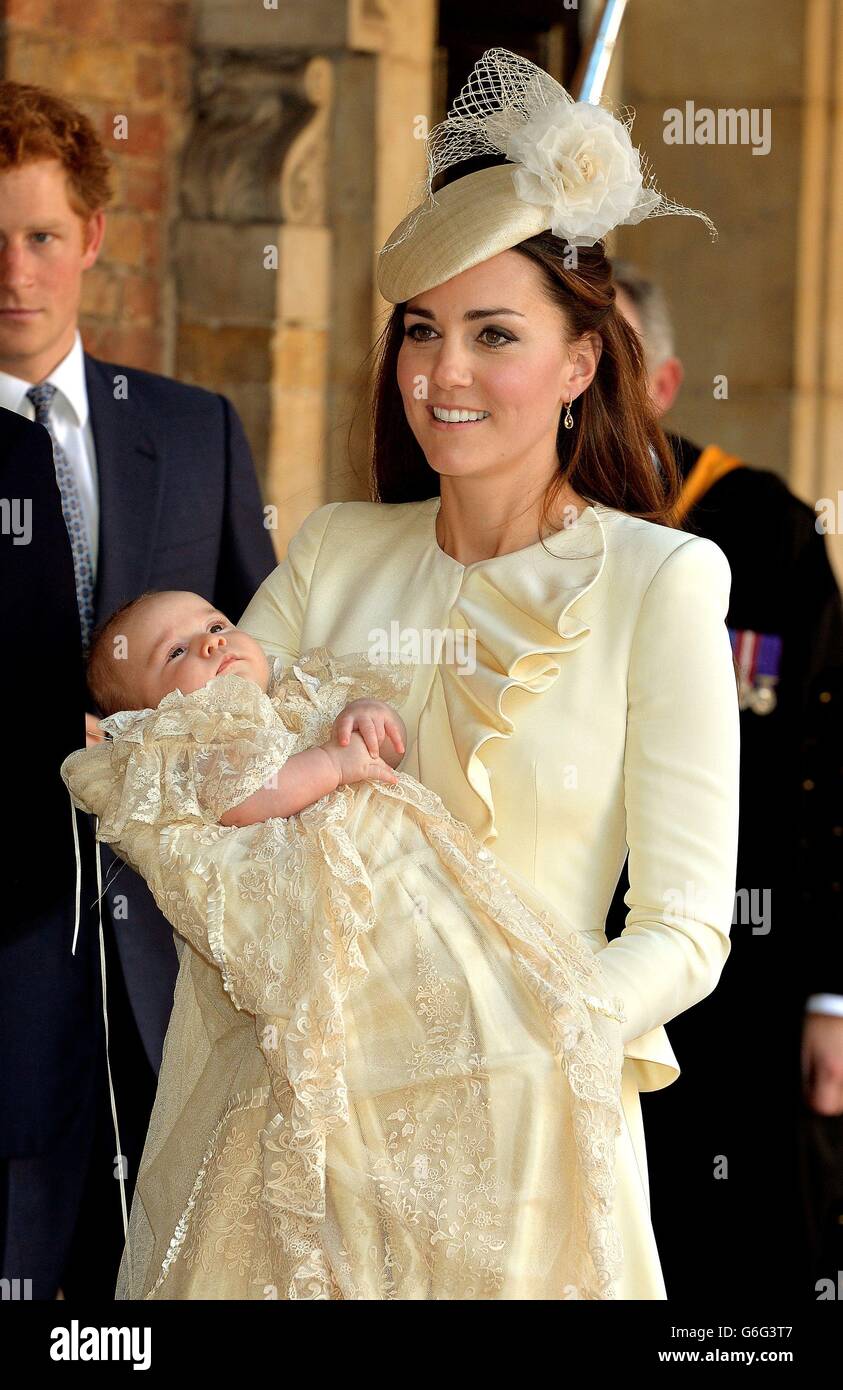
{"x": 179, "y": 508}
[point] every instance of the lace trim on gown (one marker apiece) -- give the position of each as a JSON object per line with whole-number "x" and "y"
{"x": 195, "y": 756}
{"x": 303, "y": 1018}
{"x": 295, "y": 967}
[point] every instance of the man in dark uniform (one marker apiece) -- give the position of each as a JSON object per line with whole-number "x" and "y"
{"x": 740, "y": 1197}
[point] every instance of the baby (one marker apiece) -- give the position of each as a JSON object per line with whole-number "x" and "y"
{"x": 167, "y": 640}
{"x": 387, "y": 1074}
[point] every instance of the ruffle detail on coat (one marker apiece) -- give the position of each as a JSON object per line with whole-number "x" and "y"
{"x": 194, "y": 757}
{"x": 521, "y": 604}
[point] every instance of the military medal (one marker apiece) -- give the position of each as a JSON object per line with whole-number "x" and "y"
{"x": 758, "y": 657}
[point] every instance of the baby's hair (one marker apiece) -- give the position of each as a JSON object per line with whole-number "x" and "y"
{"x": 105, "y": 671}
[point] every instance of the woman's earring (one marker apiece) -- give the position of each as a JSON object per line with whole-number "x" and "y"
{"x": 569, "y": 419}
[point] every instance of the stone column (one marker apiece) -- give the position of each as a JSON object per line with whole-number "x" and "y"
{"x": 303, "y": 139}
{"x": 816, "y": 433}
{"x": 252, "y": 256}
{"x": 383, "y": 87}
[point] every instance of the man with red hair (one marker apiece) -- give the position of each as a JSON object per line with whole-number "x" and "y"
{"x": 157, "y": 490}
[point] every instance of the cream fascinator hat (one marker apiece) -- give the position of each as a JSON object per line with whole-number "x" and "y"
{"x": 573, "y": 170}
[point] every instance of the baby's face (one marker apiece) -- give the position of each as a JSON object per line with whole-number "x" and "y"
{"x": 180, "y": 641}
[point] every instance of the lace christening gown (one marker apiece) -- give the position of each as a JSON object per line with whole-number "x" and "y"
{"x": 388, "y": 1074}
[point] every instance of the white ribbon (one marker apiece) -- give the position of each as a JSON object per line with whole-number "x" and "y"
{"x": 104, "y": 995}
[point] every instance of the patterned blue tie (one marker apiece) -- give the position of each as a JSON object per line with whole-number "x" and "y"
{"x": 42, "y": 398}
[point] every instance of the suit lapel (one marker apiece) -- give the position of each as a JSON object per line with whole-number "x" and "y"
{"x": 129, "y": 473}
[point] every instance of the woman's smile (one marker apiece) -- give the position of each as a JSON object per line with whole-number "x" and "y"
{"x": 455, "y": 418}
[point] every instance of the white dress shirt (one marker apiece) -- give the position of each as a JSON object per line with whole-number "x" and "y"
{"x": 71, "y": 422}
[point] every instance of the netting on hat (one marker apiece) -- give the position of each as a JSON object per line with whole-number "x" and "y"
{"x": 570, "y": 155}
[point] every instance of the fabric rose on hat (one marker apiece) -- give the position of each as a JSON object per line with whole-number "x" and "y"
{"x": 578, "y": 160}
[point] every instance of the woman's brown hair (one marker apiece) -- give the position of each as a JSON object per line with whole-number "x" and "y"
{"x": 606, "y": 457}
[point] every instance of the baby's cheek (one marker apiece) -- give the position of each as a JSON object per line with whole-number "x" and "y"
{"x": 260, "y": 663}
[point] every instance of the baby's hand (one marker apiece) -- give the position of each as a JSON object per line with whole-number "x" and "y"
{"x": 375, "y": 721}
{"x": 354, "y": 763}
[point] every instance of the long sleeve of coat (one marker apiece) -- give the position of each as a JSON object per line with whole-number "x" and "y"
{"x": 681, "y": 770}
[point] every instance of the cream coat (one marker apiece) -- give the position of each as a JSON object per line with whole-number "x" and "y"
{"x": 591, "y": 706}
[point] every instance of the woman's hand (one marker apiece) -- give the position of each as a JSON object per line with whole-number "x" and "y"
{"x": 375, "y": 721}
{"x": 822, "y": 1063}
{"x": 354, "y": 763}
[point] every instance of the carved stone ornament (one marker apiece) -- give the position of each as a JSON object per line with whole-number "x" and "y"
{"x": 259, "y": 145}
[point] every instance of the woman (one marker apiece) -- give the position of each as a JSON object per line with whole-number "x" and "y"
{"x": 586, "y": 700}
{"x": 572, "y": 689}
